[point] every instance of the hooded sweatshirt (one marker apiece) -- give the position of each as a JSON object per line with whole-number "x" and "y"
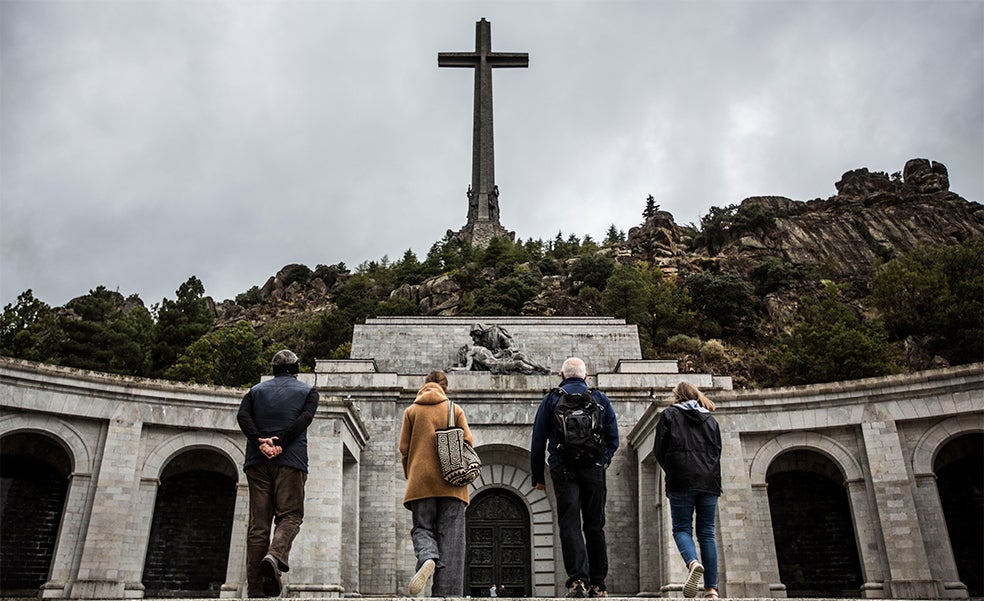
{"x": 418, "y": 445}
{"x": 688, "y": 447}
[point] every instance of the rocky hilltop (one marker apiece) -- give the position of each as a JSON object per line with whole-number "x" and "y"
{"x": 872, "y": 218}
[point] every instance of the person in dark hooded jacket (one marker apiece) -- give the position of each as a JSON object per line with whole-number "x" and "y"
{"x": 688, "y": 447}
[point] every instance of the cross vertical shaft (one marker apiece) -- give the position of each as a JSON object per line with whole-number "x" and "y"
{"x": 483, "y": 205}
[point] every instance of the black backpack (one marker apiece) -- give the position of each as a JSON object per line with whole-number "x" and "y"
{"x": 578, "y": 425}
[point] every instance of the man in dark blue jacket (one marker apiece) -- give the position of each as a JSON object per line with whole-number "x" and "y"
{"x": 274, "y": 415}
{"x": 579, "y": 486}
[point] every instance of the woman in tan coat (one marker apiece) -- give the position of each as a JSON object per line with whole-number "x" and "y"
{"x": 438, "y": 508}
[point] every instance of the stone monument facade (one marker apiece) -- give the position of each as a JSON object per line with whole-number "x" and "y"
{"x": 129, "y": 478}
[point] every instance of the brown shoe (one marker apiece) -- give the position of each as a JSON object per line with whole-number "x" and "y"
{"x": 577, "y": 590}
{"x": 597, "y": 591}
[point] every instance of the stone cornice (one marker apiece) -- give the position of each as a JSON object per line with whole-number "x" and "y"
{"x": 849, "y": 392}
{"x": 96, "y": 395}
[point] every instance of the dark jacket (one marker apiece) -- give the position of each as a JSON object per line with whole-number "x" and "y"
{"x": 283, "y": 407}
{"x": 688, "y": 447}
{"x": 544, "y": 436}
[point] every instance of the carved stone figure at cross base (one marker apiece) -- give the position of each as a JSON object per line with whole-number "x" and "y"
{"x": 493, "y": 337}
{"x": 479, "y": 358}
{"x": 492, "y": 351}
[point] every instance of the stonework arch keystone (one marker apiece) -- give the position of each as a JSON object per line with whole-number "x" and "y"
{"x": 186, "y": 441}
{"x": 934, "y": 439}
{"x": 811, "y": 441}
{"x": 73, "y": 442}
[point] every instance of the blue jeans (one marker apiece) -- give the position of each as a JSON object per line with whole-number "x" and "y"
{"x": 438, "y": 533}
{"x": 683, "y": 507}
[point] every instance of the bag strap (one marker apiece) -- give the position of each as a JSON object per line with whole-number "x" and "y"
{"x": 450, "y": 413}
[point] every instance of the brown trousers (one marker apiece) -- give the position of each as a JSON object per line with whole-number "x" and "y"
{"x": 276, "y": 496}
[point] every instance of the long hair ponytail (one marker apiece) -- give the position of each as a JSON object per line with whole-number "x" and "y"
{"x": 685, "y": 391}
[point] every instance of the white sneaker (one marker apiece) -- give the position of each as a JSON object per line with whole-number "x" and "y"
{"x": 694, "y": 577}
{"x": 419, "y": 580}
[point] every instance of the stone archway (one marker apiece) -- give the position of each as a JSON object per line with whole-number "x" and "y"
{"x": 812, "y": 526}
{"x": 189, "y": 543}
{"x": 959, "y": 468}
{"x": 34, "y": 476}
{"x": 498, "y": 545}
{"x": 506, "y": 467}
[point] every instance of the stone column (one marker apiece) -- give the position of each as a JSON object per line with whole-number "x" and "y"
{"x": 315, "y": 562}
{"x": 101, "y": 570}
{"x": 748, "y": 566}
{"x": 350, "y": 524}
{"x": 672, "y": 571}
{"x": 942, "y": 563}
{"x": 141, "y": 518}
{"x": 546, "y": 545}
{"x": 70, "y": 537}
{"x": 385, "y": 552}
{"x": 866, "y": 532}
{"x": 235, "y": 584}
{"x": 909, "y": 575}
{"x": 650, "y": 506}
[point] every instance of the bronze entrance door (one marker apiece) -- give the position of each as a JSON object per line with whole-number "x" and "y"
{"x": 498, "y": 545}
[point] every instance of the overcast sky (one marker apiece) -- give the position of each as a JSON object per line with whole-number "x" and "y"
{"x": 145, "y": 141}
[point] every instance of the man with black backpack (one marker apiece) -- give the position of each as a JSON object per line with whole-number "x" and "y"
{"x": 577, "y": 425}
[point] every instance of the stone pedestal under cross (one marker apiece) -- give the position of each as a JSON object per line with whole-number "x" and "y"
{"x": 483, "y": 194}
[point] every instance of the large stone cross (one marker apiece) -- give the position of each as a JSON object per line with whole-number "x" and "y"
{"x": 483, "y": 194}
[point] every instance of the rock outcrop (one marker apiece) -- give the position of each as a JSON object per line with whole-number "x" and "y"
{"x": 873, "y": 217}
{"x": 439, "y": 295}
{"x": 292, "y": 290}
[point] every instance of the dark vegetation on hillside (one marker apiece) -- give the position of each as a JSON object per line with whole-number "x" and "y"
{"x": 730, "y": 295}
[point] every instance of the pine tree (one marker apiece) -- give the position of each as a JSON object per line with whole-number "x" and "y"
{"x": 651, "y": 208}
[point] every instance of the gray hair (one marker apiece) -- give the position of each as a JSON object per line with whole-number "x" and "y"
{"x": 284, "y": 357}
{"x": 574, "y": 368}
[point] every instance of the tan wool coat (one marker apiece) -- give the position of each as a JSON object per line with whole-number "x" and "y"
{"x": 418, "y": 449}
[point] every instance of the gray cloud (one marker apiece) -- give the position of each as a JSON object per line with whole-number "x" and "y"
{"x": 144, "y": 142}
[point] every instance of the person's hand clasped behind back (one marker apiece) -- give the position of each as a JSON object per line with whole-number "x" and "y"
{"x": 268, "y": 448}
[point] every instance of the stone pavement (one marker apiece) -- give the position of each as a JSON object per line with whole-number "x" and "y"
{"x": 612, "y": 598}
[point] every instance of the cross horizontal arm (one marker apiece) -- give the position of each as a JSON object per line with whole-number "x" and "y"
{"x": 472, "y": 59}
{"x": 457, "y": 59}
{"x": 509, "y": 59}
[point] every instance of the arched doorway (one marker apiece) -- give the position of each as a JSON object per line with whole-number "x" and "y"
{"x": 498, "y": 545}
{"x": 188, "y": 550}
{"x": 812, "y": 526}
{"x": 34, "y": 471}
{"x": 959, "y": 468}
